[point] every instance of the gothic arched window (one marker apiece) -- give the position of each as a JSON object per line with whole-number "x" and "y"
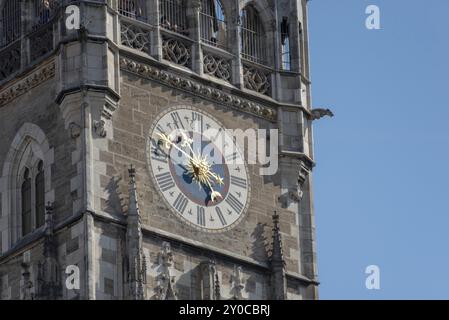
{"x": 252, "y": 36}
{"x": 285, "y": 45}
{"x": 10, "y": 22}
{"x": 26, "y": 203}
{"x": 173, "y": 15}
{"x": 213, "y": 23}
{"x": 27, "y": 184}
{"x": 40, "y": 195}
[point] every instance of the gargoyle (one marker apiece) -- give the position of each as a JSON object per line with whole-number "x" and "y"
{"x": 319, "y": 113}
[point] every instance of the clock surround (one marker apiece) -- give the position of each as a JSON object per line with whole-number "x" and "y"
{"x": 176, "y": 137}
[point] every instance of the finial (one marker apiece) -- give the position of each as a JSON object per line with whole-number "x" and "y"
{"x": 132, "y": 172}
{"x": 277, "y": 252}
{"x": 217, "y": 290}
{"x": 49, "y": 207}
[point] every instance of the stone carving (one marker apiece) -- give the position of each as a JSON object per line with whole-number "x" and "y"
{"x": 99, "y": 128}
{"x": 135, "y": 37}
{"x": 23, "y": 86}
{"x": 297, "y": 193}
{"x": 9, "y": 61}
{"x": 256, "y": 80}
{"x": 108, "y": 110}
{"x": 27, "y": 284}
{"x": 210, "y": 284}
{"x": 75, "y": 130}
{"x": 175, "y": 51}
{"x": 196, "y": 88}
{"x": 237, "y": 283}
{"x": 165, "y": 281}
{"x": 319, "y": 113}
{"x": 41, "y": 43}
{"x": 217, "y": 67}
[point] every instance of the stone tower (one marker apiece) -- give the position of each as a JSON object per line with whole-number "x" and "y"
{"x": 83, "y": 184}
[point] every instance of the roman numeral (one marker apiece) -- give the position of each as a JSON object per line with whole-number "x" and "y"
{"x": 160, "y": 129}
{"x": 201, "y": 216}
{"x": 165, "y": 181}
{"x": 235, "y": 204}
{"x": 231, "y": 157}
{"x": 220, "y": 216}
{"x": 239, "y": 182}
{"x": 159, "y": 158}
{"x": 177, "y": 120}
{"x": 157, "y": 153}
{"x": 180, "y": 203}
{"x": 197, "y": 118}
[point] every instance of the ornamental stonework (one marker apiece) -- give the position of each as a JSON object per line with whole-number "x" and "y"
{"x": 29, "y": 82}
{"x": 196, "y": 88}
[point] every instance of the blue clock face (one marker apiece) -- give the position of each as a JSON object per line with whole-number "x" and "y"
{"x": 198, "y": 169}
{"x": 200, "y": 193}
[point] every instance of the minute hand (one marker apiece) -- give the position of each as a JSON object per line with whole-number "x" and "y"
{"x": 169, "y": 143}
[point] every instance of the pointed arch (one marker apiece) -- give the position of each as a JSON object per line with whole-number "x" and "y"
{"x": 213, "y": 23}
{"x": 29, "y": 157}
{"x": 253, "y": 36}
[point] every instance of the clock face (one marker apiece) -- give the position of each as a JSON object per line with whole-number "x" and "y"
{"x": 198, "y": 168}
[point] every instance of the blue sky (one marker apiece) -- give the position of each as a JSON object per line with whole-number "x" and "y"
{"x": 382, "y": 177}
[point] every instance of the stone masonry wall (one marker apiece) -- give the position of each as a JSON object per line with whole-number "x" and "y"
{"x": 141, "y": 101}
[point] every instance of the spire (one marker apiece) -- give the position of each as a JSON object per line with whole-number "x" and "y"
{"x": 277, "y": 255}
{"x": 49, "y": 243}
{"x": 136, "y": 259}
{"x": 48, "y": 271}
{"x": 217, "y": 289}
{"x": 277, "y": 263}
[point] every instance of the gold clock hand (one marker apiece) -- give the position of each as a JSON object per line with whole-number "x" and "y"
{"x": 198, "y": 167}
{"x": 168, "y": 143}
{"x": 214, "y": 195}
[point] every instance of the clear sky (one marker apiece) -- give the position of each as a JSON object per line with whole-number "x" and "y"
{"x": 382, "y": 177}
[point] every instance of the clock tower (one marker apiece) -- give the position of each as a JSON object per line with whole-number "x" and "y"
{"x": 162, "y": 150}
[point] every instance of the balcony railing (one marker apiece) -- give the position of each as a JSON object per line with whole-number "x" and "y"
{"x": 257, "y": 78}
{"x": 135, "y": 37}
{"x": 177, "y": 49}
{"x": 173, "y": 16}
{"x": 217, "y": 63}
{"x": 213, "y": 24}
{"x": 134, "y": 9}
